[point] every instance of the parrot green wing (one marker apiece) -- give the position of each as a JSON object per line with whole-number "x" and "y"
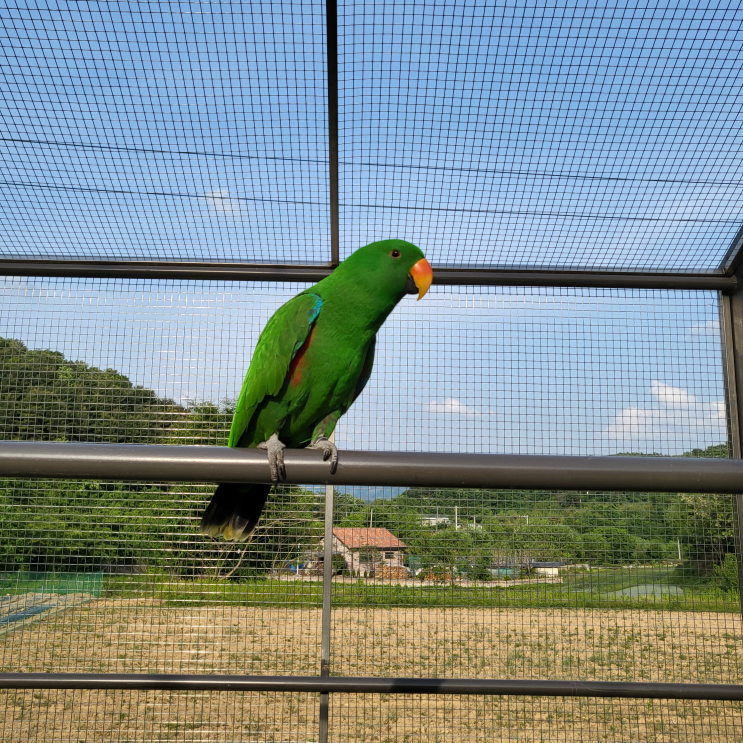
{"x": 280, "y": 340}
{"x": 366, "y": 369}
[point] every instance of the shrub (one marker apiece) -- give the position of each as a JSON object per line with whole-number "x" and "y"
{"x": 726, "y": 575}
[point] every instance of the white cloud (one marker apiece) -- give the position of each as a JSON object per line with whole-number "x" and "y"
{"x": 452, "y": 407}
{"x": 711, "y": 327}
{"x": 221, "y": 202}
{"x": 678, "y": 414}
{"x": 674, "y": 397}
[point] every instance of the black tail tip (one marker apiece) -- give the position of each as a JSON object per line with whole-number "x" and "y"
{"x": 234, "y": 511}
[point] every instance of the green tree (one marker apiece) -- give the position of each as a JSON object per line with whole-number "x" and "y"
{"x": 594, "y": 548}
{"x": 707, "y": 528}
{"x": 45, "y": 397}
{"x": 727, "y": 574}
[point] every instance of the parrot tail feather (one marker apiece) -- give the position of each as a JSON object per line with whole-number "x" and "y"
{"x": 234, "y": 510}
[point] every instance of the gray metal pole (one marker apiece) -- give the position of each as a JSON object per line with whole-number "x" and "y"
{"x": 442, "y": 276}
{"x": 731, "y": 311}
{"x": 331, "y": 45}
{"x": 374, "y": 685}
{"x": 327, "y": 585}
{"x": 304, "y": 466}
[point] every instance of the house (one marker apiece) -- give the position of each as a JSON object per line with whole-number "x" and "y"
{"x": 547, "y": 568}
{"x": 365, "y": 549}
{"x": 435, "y": 521}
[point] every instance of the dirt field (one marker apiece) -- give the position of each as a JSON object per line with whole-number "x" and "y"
{"x": 139, "y": 636}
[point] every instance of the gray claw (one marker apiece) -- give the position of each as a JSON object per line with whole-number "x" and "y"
{"x": 329, "y": 450}
{"x": 275, "y": 450}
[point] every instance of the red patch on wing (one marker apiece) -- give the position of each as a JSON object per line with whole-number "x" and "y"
{"x": 295, "y": 368}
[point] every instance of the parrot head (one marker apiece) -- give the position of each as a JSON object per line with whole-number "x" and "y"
{"x": 390, "y": 267}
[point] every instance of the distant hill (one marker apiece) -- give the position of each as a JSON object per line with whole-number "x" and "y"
{"x": 716, "y": 451}
{"x": 46, "y": 397}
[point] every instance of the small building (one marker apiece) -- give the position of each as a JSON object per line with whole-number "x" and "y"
{"x": 366, "y": 549}
{"x": 435, "y": 520}
{"x": 499, "y": 573}
{"x": 547, "y": 568}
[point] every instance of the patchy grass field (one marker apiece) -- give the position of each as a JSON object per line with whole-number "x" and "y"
{"x": 656, "y": 588}
{"x": 155, "y": 636}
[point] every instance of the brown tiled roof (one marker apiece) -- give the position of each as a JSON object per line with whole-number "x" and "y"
{"x": 356, "y": 538}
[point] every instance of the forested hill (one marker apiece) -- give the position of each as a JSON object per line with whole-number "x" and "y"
{"x": 45, "y": 397}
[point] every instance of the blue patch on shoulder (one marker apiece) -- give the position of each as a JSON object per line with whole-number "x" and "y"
{"x": 312, "y": 314}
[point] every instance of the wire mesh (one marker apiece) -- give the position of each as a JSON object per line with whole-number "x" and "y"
{"x": 498, "y": 370}
{"x": 172, "y": 131}
{"x": 414, "y": 718}
{"x": 490, "y": 135}
{"x": 527, "y": 584}
{"x": 542, "y": 136}
{"x": 194, "y": 717}
{"x": 595, "y": 586}
{"x": 114, "y": 577}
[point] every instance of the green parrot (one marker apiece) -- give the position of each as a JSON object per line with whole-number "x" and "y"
{"x": 312, "y": 360}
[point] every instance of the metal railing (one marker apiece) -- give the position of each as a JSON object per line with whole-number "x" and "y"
{"x": 304, "y": 466}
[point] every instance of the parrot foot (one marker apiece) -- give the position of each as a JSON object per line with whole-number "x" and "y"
{"x": 275, "y": 450}
{"x": 329, "y": 450}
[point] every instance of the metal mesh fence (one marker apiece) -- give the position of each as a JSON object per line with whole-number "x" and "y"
{"x": 491, "y": 135}
{"x": 470, "y": 584}
{"x": 541, "y": 136}
{"x": 536, "y": 720}
{"x": 164, "y": 131}
{"x": 155, "y": 716}
{"x": 525, "y": 584}
{"x": 196, "y": 717}
{"x": 499, "y": 370}
{"x": 536, "y": 137}
{"x": 114, "y": 577}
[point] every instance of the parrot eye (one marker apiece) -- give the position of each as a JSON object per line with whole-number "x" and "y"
{"x": 395, "y": 253}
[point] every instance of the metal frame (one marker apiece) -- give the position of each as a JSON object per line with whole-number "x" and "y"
{"x": 371, "y": 685}
{"x": 442, "y": 275}
{"x": 731, "y": 328}
{"x": 180, "y": 463}
{"x": 331, "y": 42}
{"x": 413, "y": 469}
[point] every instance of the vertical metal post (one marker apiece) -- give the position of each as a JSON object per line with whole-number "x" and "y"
{"x": 331, "y": 45}
{"x": 731, "y": 388}
{"x": 731, "y": 316}
{"x": 327, "y": 584}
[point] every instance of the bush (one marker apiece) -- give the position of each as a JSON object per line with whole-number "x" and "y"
{"x": 609, "y": 546}
{"x": 339, "y": 564}
{"x": 726, "y": 575}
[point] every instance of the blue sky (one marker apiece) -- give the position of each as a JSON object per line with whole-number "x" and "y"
{"x": 529, "y": 134}
{"x": 490, "y": 134}
{"x": 512, "y": 370}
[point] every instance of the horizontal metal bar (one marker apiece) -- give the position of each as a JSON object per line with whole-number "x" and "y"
{"x": 583, "y": 279}
{"x": 305, "y": 466}
{"x": 164, "y": 270}
{"x": 734, "y": 254}
{"x": 334, "y": 685}
{"x": 312, "y": 273}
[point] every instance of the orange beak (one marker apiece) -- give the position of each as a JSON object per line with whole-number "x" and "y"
{"x": 422, "y": 275}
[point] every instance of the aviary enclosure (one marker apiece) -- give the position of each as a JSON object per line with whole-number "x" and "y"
{"x": 533, "y": 533}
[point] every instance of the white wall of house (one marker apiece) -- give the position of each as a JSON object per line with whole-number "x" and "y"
{"x": 392, "y": 557}
{"x": 547, "y": 571}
